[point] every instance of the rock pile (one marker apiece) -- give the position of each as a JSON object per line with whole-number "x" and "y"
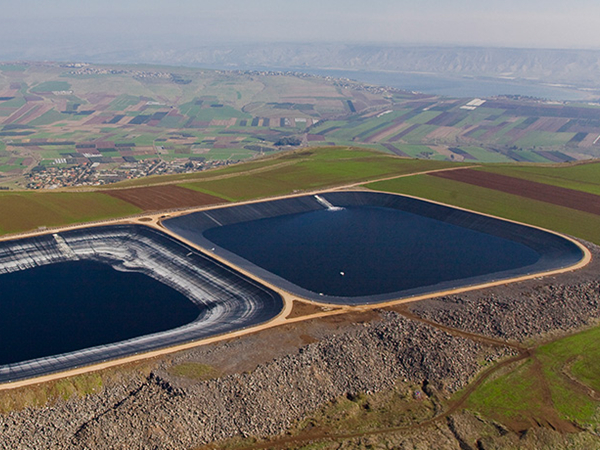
{"x": 160, "y": 412}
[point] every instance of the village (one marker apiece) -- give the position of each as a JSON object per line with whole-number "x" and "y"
{"x": 97, "y": 174}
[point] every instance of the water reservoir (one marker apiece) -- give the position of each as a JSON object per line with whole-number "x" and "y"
{"x": 367, "y": 247}
{"x": 89, "y": 295}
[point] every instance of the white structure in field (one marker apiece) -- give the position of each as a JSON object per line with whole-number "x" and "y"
{"x": 473, "y": 104}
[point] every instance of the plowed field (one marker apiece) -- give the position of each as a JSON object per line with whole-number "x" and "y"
{"x": 581, "y": 201}
{"x": 156, "y": 198}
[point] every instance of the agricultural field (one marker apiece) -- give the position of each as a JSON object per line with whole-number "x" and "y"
{"x": 308, "y": 170}
{"x": 156, "y": 198}
{"x": 31, "y": 210}
{"x": 54, "y": 118}
{"x": 579, "y": 177}
{"x": 79, "y": 124}
{"x": 499, "y": 130}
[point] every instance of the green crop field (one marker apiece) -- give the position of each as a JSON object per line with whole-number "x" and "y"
{"x": 30, "y": 210}
{"x": 48, "y": 86}
{"x": 414, "y": 150}
{"x": 50, "y": 117}
{"x": 424, "y": 117}
{"x": 225, "y": 154}
{"x": 218, "y": 113}
{"x": 16, "y": 102}
{"x": 485, "y": 156}
{"x": 307, "y": 170}
{"x": 544, "y": 138}
{"x": 124, "y": 101}
{"x": 419, "y": 134}
{"x": 9, "y": 168}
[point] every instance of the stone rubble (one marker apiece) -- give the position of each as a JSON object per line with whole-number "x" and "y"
{"x": 531, "y": 309}
{"x": 160, "y": 412}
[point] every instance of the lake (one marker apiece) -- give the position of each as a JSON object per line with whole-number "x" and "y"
{"x": 454, "y": 86}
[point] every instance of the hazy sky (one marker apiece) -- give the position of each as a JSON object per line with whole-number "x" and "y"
{"x": 54, "y": 24}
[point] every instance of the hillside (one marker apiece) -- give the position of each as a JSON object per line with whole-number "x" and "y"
{"x": 579, "y": 67}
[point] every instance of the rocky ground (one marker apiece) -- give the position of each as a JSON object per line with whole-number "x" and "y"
{"x": 521, "y": 311}
{"x": 163, "y": 411}
{"x": 271, "y": 379}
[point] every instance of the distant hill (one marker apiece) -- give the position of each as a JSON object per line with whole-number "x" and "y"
{"x": 581, "y": 67}
{"x": 568, "y": 66}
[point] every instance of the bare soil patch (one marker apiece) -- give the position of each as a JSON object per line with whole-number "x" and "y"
{"x": 19, "y": 113}
{"x": 444, "y": 133}
{"x": 157, "y": 198}
{"x": 581, "y": 201}
{"x": 244, "y": 354}
{"x": 394, "y": 128}
{"x": 300, "y": 309}
{"x": 589, "y": 140}
{"x": 549, "y": 124}
{"x": 350, "y": 318}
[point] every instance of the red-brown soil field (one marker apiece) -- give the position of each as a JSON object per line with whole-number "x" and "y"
{"x": 581, "y": 201}
{"x": 156, "y": 198}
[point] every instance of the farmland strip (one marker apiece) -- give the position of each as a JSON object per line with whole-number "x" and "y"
{"x": 327, "y": 130}
{"x": 554, "y": 156}
{"x": 578, "y": 138}
{"x": 156, "y": 198}
{"x": 372, "y": 131}
{"x": 581, "y": 201}
{"x": 20, "y": 113}
{"x": 395, "y": 150}
{"x": 404, "y": 133}
{"x": 521, "y": 110}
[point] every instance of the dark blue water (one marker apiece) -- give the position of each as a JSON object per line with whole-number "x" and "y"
{"x": 69, "y": 306}
{"x": 367, "y": 250}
